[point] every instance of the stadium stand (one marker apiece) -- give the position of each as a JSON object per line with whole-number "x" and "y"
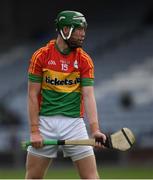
{"x": 117, "y": 69}
{"x": 121, "y": 47}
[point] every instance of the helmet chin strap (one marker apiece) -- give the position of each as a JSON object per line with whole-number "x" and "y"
{"x": 69, "y": 35}
{"x": 66, "y": 38}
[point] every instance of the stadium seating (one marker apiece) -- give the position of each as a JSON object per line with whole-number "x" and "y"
{"x": 122, "y": 52}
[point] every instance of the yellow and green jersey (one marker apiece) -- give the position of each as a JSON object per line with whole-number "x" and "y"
{"x": 61, "y": 77}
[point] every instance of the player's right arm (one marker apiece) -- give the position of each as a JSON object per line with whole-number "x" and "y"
{"x": 33, "y": 111}
{"x": 34, "y": 90}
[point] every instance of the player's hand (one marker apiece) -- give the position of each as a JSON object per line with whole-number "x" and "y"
{"x": 100, "y": 135}
{"x": 36, "y": 140}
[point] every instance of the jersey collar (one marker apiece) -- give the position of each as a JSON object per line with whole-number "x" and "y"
{"x": 65, "y": 51}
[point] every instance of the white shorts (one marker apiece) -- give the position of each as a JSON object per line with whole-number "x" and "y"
{"x": 63, "y": 128}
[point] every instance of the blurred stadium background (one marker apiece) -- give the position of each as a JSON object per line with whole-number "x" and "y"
{"x": 120, "y": 41}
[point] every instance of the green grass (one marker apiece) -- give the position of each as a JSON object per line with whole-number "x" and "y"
{"x": 70, "y": 173}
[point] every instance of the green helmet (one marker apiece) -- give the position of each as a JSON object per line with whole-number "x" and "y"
{"x": 72, "y": 19}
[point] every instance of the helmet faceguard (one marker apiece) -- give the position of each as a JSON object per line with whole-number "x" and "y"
{"x": 72, "y": 19}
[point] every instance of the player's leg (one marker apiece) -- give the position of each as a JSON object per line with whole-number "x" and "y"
{"x": 36, "y": 166}
{"x": 83, "y": 156}
{"x": 38, "y": 159}
{"x": 87, "y": 167}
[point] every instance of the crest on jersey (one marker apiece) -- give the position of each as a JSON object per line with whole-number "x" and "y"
{"x": 76, "y": 64}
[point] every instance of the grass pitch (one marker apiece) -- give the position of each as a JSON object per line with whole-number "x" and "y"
{"x": 71, "y": 173}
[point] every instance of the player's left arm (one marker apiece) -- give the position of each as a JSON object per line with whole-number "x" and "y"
{"x": 87, "y": 84}
{"x": 91, "y": 112}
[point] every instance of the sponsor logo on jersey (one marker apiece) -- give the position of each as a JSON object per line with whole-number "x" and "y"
{"x": 62, "y": 82}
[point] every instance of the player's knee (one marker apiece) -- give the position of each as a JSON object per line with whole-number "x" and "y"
{"x": 33, "y": 175}
{"x": 89, "y": 175}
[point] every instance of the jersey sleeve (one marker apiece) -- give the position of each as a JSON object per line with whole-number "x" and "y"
{"x": 87, "y": 70}
{"x": 35, "y": 67}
